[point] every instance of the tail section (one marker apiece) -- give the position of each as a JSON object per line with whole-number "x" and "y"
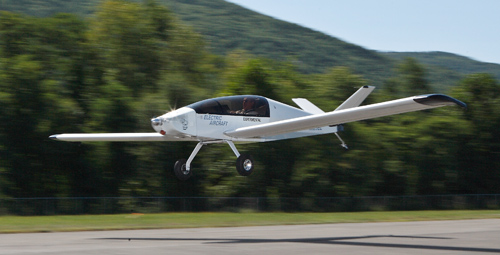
{"x": 353, "y": 101}
{"x": 357, "y": 98}
{"x": 307, "y": 106}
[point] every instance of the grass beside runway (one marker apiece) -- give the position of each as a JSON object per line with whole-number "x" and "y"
{"x": 23, "y": 224}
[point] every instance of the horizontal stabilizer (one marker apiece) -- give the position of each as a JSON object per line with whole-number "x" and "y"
{"x": 409, "y": 104}
{"x": 307, "y": 106}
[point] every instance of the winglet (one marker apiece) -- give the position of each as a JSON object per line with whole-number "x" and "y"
{"x": 357, "y": 98}
{"x": 438, "y": 100}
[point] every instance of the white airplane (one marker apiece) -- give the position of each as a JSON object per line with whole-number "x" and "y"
{"x": 249, "y": 118}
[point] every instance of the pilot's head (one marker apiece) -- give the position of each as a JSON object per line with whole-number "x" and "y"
{"x": 248, "y": 103}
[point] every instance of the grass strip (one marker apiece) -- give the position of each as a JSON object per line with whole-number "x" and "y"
{"x": 23, "y": 224}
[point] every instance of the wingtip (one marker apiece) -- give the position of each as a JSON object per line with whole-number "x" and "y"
{"x": 439, "y": 99}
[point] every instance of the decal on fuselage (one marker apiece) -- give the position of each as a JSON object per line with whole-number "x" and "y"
{"x": 215, "y": 120}
{"x": 251, "y": 119}
{"x": 185, "y": 124}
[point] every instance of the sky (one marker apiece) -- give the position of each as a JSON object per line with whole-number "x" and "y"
{"x": 469, "y": 28}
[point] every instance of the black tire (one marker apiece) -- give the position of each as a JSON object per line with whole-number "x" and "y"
{"x": 180, "y": 170}
{"x": 244, "y": 165}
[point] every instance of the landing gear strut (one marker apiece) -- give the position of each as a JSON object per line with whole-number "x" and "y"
{"x": 244, "y": 163}
{"x": 344, "y": 145}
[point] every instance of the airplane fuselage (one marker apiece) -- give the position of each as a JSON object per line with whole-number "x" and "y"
{"x": 209, "y": 120}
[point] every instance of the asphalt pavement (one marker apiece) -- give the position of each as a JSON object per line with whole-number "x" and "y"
{"x": 425, "y": 237}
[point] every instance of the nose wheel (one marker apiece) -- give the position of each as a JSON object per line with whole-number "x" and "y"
{"x": 244, "y": 163}
{"x": 181, "y": 172}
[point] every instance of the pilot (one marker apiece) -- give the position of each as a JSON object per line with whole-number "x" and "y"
{"x": 248, "y": 107}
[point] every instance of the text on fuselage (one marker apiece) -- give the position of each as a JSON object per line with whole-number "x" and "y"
{"x": 251, "y": 119}
{"x": 215, "y": 120}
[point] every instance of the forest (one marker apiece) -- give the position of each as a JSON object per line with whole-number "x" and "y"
{"x": 128, "y": 62}
{"x": 226, "y": 27}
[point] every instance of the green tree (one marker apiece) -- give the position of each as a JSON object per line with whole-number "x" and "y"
{"x": 478, "y": 151}
{"x": 250, "y": 77}
{"x": 336, "y": 85}
{"x": 412, "y": 76}
{"x": 38, "y": 73}
{"x": 129, "y": 38}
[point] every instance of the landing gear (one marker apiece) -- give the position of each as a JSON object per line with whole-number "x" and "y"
{"x": 343, "y": 144}
{"x": 181, "y": 171}
{"x": 244, "y": 163}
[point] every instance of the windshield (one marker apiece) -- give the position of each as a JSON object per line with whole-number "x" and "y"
{"x": 233, "y": 105}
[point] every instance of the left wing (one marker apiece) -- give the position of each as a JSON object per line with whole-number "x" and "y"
{"x": 117, "y": 137}
{"x": 337, "y": 117}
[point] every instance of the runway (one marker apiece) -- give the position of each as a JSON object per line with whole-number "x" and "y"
{"x": 426, "y": 237}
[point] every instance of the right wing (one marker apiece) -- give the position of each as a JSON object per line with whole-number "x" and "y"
{"x": 117, "y": 137}
{"x": 409, "y": 104}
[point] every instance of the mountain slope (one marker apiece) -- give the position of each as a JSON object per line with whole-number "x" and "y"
{"x": 227, "y": 26}
{"x": 49, "y": 7}
{"x": 457, "y": 63}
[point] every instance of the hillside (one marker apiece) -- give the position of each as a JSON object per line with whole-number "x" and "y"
{"x": 227, "y": 27}
{"x": 457, "y": 63}
{"x": 49, "y": 7}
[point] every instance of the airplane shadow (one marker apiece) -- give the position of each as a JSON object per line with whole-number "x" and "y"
{"x": 327, "y": 240}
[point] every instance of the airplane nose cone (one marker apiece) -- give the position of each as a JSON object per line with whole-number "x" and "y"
{"x": 155, "y": 122}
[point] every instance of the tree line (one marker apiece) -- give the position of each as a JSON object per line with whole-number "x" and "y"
{"x": 129, "y": 62}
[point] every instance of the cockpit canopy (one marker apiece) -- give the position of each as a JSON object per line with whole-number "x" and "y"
{"x": 233, "y": 105}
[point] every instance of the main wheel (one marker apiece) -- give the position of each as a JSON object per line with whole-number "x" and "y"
{"x": 244, "y": 164}
{"x": 180, "y": 170}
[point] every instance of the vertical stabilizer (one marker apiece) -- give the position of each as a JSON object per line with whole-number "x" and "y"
{"x": 357, "y": 98}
